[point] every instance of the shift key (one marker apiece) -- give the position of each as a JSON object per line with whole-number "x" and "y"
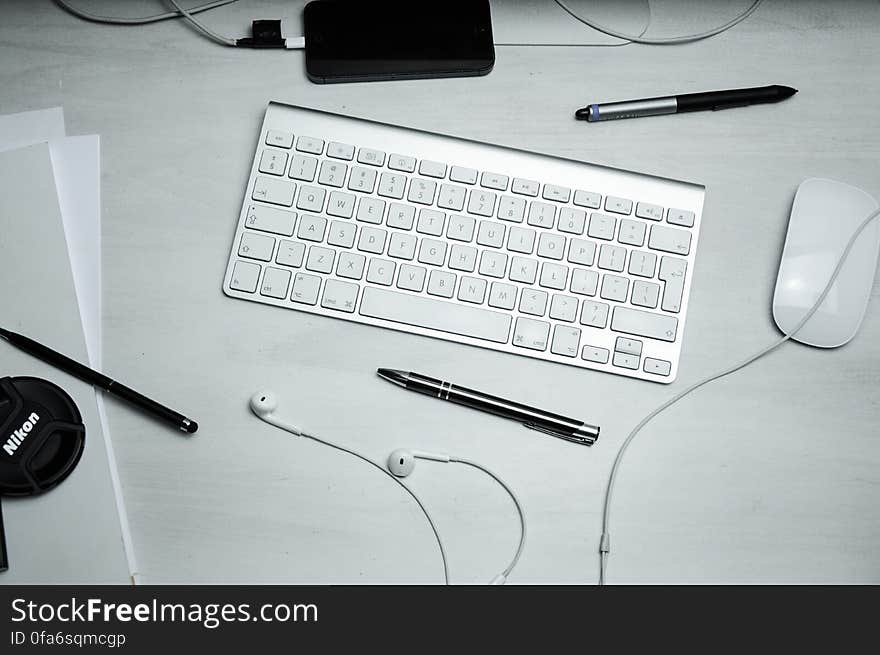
{"x": 644, "y": 324}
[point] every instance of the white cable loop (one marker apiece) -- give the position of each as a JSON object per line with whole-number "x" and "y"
{"x": 142, "y": 20}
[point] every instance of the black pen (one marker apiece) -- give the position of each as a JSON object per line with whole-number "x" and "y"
{"x": 99, "y": 380}
{"x": 710, "y": 100}
{"x": 536, "y": 419}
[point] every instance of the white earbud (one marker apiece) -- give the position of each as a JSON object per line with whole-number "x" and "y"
{"x": 263, "y": 404}
{"x": 401, "y": 462}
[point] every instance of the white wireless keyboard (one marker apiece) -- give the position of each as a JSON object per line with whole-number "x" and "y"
{"x": 479, "y": 244}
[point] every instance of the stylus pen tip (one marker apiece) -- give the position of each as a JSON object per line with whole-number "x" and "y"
{"x": 582, "y": 114}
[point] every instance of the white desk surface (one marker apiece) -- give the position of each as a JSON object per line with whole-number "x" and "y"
{"x": 771, "y": 475}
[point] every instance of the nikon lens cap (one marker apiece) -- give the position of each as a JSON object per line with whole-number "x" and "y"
{"x": 41, "y": 438}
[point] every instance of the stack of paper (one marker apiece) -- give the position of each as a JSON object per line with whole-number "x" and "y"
{"x": 78, "y": 532}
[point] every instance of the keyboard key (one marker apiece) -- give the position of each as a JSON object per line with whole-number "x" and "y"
{"x": 340, "y": 204}
{"x": 563, "y": 308}
{"x": 342, "y": 234}
{"x": 481, "y": 203}
{"x": 441, "y": 283}
{"x": 493, "y": 264}
{"x": 531, "y": 334}
{"x": 461, "y": 228}
{"x": 618, "y": 205}
{"x": 320, "y": 260}
{"x": 541, "y": 214}
{"x": 402, "y": 246}
{"x": 594, "y": 314}
{"x": 312, "y": 228}
{"x": 523, "y": 269}
{"x": 371, "y": 157}
{"x": 275, "y": 283}
{"x": 372, "y": 240}
{"x": 401, "y": 216}
{"x": 370, "y": 210}
{"x": 587, "y": 199}
{"x": 494, "y": 181}
{"x": 628, "y": 346}
{"x": 679, "y": 217}
{"x": 651, "y": 212}
{"x": 525, "y": 187}
{"x": 451, "y": 197}
{"x": 553, "y": 276}
{"x": 626, "y": 361}
{"x": 420, "y": 311}
{"x": 472, "y": 289}
{"x": 340, "y": 150}
{"x": 305, "y": 288}
{"x": 332, "y": 173}
{"x": 556, "y": 193}
{"x": 612, "y": 258}
{"x": 565, "y": 341}
{"x": 644, "y": 324}
{"x": 290, "y": 253}
{"x": 463, "y": 258}
{"x": 422, "y": 191}
{"x": 584, "y": 282}
{"x": 303, "y": 168}
{"x": 362, "y": 179}
{"x": 601, "y": 227}
{"x": 521, "y": 240}
{"x": 351, "y": 265}
{"x": 256, "y": 246}
{"x": 411, "y": 278}
{"x": 341, "y": 296}
{"x": 245, "y": 277}
{"x": 632, "y": 233}
{"x": 392, "y": 185}
{"x": 271, "y": 220}
{"x": 551, "y": 246}
{"x": 672, "y": 272}
{"x": 614, "y": 287}
{"x": 645, "y": 294}
{"x": 572, "y": 220}
{"x": 511, "y": 209}
{"x": 402, "y": 163}
{"x": 275, "y": 191}
{"x": 279, "y": 139}
{"x": 657, "y": 366}
{"x": 670, "y": 239}
{"x": 273, "y": 162}
{"x": 311, "y": 198}
{"x": 490, "y": 234}
{"x": 431, "y": 222}
{"x": 432, "y": 252}
{"x": 595, "y": 354}
{"x": 310, "y": 145}
{"x": 533, "y": 302}
{"x": 380, "y": 271}
{"x": 432, "y": 169}
{"x": 581, "y": 251}
{"x": 502, "y": 296}
{"x": 463, "y": 175}
{"x": 642, "y": 264}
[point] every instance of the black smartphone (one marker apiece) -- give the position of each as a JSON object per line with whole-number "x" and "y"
{"x": 369, "y": 40}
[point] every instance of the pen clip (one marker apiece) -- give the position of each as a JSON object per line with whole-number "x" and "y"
{"x": 559, "y": 435}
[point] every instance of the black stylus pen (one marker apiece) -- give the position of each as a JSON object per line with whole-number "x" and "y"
{"x": 99, "y": 380}
{"x": 710, "y": 100}
{"x": 536, "y": 419}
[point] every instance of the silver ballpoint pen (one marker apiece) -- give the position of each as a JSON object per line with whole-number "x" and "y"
{"x": 536, "y": 419}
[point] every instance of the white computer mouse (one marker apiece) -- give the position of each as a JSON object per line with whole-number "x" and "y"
{"x": 824, "y": 216}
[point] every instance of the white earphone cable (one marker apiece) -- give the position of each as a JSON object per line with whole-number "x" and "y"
{"x": 605, "y": 541}
{"x": 674, "y": 40}
{"x": 142, "y": 20}
{"x": 398, "y": 481}
{"x": 219, "y": 38}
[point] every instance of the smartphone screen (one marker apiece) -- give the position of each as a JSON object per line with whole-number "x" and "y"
{"x": 365, "y": 40}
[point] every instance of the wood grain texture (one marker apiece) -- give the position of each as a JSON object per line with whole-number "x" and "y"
{"x": 772, "y": 475}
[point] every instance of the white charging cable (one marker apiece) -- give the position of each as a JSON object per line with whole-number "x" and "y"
{"x": 605, "y": 541}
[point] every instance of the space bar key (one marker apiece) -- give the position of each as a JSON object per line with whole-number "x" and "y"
{"x": 424, "y": 312}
